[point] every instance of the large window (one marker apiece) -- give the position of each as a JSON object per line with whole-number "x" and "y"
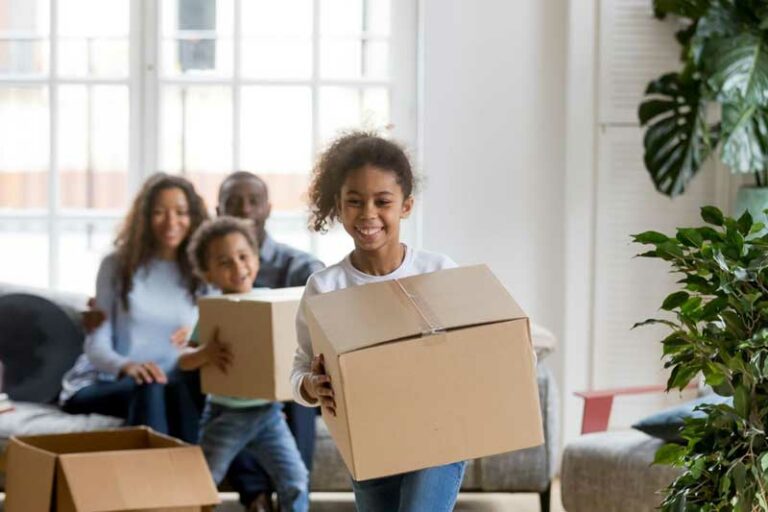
{"x": 97, "y": 94}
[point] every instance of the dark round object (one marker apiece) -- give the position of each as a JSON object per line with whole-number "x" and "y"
{"x": 38, "y": 344}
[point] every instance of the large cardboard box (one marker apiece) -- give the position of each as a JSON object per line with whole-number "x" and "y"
{"x": 426, "y": 370}
{"x": 132, "y": 469}
{"x": 260, "y": 328}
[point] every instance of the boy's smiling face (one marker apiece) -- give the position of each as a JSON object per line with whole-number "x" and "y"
{"x": 232, "y": 264}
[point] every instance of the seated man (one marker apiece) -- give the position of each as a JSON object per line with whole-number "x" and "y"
{"x": 245, "y": 195}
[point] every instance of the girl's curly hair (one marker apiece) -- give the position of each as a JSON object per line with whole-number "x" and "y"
{"x": 136, "y": 245}
{"x": 350, "y": 152}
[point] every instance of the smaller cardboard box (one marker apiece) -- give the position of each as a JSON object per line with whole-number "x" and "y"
{"x": 260, "y": 328}
{"x": 132, "y": 469}
{"x": 426, "y": 370}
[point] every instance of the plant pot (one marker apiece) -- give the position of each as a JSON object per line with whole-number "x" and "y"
{"x": 754, "y": 199}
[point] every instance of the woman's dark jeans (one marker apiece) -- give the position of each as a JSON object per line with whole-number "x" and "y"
{"x": 167, "y": 408}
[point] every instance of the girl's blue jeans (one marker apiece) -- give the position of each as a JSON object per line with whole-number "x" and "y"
{"x": 427, "y": 490}
{"x": 262, "y": 432}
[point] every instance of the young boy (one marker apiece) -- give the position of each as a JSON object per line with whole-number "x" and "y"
{"x": 223, "y": 253}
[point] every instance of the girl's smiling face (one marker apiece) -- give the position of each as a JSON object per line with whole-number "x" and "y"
{"x": 371, "y": 205}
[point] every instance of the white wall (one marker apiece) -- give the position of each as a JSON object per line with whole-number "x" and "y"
{"x": 493, "y": 121}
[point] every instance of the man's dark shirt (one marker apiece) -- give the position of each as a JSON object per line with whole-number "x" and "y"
{"x": 282, "y": 266}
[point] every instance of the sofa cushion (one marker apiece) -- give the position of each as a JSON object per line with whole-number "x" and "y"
{"x": 666, "y": 425}
{"x": 27, "y": 419}
{"x": 613, "y": 472}
{"x": 39, "y": 342}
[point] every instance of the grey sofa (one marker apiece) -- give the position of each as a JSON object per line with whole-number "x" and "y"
{"x": 612, "y": 472}
{"x": 529, "y": 470}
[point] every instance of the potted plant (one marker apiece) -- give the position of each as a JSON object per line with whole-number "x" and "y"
{"x": 724, "y": 64}
{"x": 719, "y": 328}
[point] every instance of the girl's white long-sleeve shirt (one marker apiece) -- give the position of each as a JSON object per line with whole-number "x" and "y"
{"x": 343, "y": 275}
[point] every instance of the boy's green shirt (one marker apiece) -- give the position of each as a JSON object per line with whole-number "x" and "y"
{"x": 228, "y": 401}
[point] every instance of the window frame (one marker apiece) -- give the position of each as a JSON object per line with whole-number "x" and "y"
{"x": 145, "y": 84}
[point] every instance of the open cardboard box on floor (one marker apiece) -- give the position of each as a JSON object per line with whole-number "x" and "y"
{"x": 260, "y": 328}
{"x": 131, "y": 469}
{"x": 426, "y": 370}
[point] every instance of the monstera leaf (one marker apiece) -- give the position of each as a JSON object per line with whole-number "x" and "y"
{"x": 745, "y": 137}
{"x": 739, "y": 69}
{"x": 678, "y": 139}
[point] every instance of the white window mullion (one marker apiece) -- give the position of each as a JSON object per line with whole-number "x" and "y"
{"x": 150, "y": 65}
{"x": 53, "y": 169}
{"x": 136, "y": 85}
{"x": 236, "y": 88}
{"x": 314, "y": 242}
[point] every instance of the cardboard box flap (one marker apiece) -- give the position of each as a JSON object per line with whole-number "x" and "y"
{"x": 22, "y": 492}
{"x": 461, "y": 297}
{"x": 422, "y": 304}
{"x": 138, "y": 479}
{"x": 367, "y": 319}
{"x": 260, "y": 295}
{"x": 95, "y": 441}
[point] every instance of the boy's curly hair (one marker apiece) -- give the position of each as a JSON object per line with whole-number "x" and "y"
{"x": 350, "y": 152}
{"x": 211, "y": 230}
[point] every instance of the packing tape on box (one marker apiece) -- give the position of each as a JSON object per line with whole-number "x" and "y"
{"x": 430, "y": 323}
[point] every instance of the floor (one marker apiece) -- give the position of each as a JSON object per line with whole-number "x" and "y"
{"x": 468, "y": 502}
{"x": 480, "y": 502}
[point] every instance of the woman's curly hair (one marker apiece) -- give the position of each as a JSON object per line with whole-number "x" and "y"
{"x": 135, "y": 243}
{"x": 350, "y": 152}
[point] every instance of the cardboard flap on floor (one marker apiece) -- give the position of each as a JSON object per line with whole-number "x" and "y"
{"x": 117, "y": 470}
{"x": 422, "y": 304}
{"x": 22, "y": 492}
{"x": 135, "y": 479}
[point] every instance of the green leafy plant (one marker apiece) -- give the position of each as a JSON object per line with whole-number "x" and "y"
{"x": 719, "y": 328}
{"x": 725, "y": 63}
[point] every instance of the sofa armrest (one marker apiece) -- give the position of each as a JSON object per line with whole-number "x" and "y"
{"x": 598, "y": 404}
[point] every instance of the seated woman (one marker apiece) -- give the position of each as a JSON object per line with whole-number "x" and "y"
{"x": 148, "y": 292}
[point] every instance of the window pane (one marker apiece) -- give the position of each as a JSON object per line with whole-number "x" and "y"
{"x": 334, "y": 245}
{"x": 196, "y": 15}
{"x": 198, "y": 57}
{"x": 95, "y": 44}
{"x": 90, "y": 18}
{"x": 93, "y": 146}
{"x": 283, "y": 18}
{"x": 276, "y": 129}
{"x": 196, "y": 129}
{"x": 354, "y": 58}
{"x": 23, "y": 57}
{"x": 197, "y": 37}
{"x": 25, "y": 16}
{"x": 276, "y": 58}
{"x": 24, "y": 151}
{"x": 289, "y": 229}
{"x": 24, "y": 258}
{"x": 341, "y": 17}
{"x": 377, "y": 16}
{"x": 352, "y": 17}
{"x": 344, "y": 108}
{"x": 94, "y": 57}
{"x": 81, "y": 248}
